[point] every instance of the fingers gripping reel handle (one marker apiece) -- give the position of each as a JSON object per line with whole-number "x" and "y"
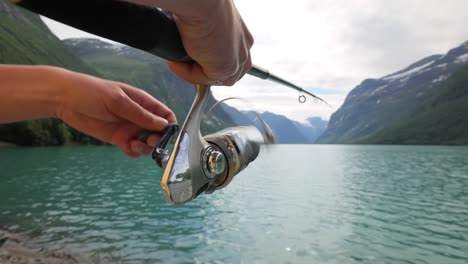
{"x": 160, "y": 153}
{"x": 199, "y": 164}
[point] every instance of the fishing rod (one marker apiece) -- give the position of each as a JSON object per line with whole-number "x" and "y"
{"x": 197, "y": 164}
{"x": 145, "y": 28}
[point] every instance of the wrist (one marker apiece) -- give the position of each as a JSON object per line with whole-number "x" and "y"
{"x": 58, "y": 84}
{"x": 49, "y": 90}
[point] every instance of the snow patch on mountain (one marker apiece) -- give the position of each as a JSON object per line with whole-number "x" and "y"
{"x": 440, "y": 78}
{"x": 462, "y": 58}
{"x": 408, "y": 72}
{"x": 404, "y": 80}
{"x": 379, "y": 89}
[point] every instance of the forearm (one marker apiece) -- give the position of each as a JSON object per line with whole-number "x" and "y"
{"x": 28, "y": 92}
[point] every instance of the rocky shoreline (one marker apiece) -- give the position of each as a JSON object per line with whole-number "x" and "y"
{"x": 6, "y": 144}
{"x": 13, "y": 250}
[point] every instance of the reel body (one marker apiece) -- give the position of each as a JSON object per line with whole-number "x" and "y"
{"x": 200, "y": 164}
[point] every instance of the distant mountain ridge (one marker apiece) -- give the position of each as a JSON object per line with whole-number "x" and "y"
{"x": 293, "y": 132}
{"x": 287, "y": 131}
{"x": 379, "y": 105}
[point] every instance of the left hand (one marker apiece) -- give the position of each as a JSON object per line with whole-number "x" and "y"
{"x": 112, "y": 112}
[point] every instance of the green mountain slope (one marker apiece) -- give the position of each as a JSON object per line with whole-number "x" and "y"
{"x": 442, "y": 119}
{"x": 405, "y": 107}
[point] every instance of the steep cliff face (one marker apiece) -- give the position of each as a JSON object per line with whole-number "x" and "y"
{"x": 379, "y": 104}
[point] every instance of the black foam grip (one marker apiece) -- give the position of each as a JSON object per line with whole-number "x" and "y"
{"x": 144, "y": 28}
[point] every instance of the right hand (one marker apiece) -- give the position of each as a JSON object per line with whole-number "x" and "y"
{"x": 214, "y": 35}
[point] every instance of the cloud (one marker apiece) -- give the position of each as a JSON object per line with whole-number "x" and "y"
{"x": 337, "y": 43}
{"x": 386, "y": 36}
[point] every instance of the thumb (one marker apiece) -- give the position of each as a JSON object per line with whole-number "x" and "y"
{"x": 192, "y": 73}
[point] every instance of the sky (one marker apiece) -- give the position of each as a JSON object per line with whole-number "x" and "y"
{"x": 329, "y": 47}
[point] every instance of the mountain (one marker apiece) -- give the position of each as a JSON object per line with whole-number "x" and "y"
{"x": 441, "y": 119}
{"x": 421, "y": 104}
{"x": 314, "y": 128}
{"x": 287, "y": 131}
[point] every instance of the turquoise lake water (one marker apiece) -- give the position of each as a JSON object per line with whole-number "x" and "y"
{"x": 294, "y": 204}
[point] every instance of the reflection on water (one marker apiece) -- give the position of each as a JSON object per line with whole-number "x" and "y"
{"x": 295, "y": 204}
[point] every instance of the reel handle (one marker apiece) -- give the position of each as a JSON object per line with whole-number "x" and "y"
{"x": 160, "y": 153}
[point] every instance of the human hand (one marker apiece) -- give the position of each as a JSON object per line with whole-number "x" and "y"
{"x": 111, "y": 111}
{"x": 214, "y": 36}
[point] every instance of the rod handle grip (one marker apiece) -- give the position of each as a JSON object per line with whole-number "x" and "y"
{"x": 145, "y": 28}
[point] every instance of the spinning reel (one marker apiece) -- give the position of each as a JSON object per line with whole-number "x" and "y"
{"x": 200, "y": 164}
